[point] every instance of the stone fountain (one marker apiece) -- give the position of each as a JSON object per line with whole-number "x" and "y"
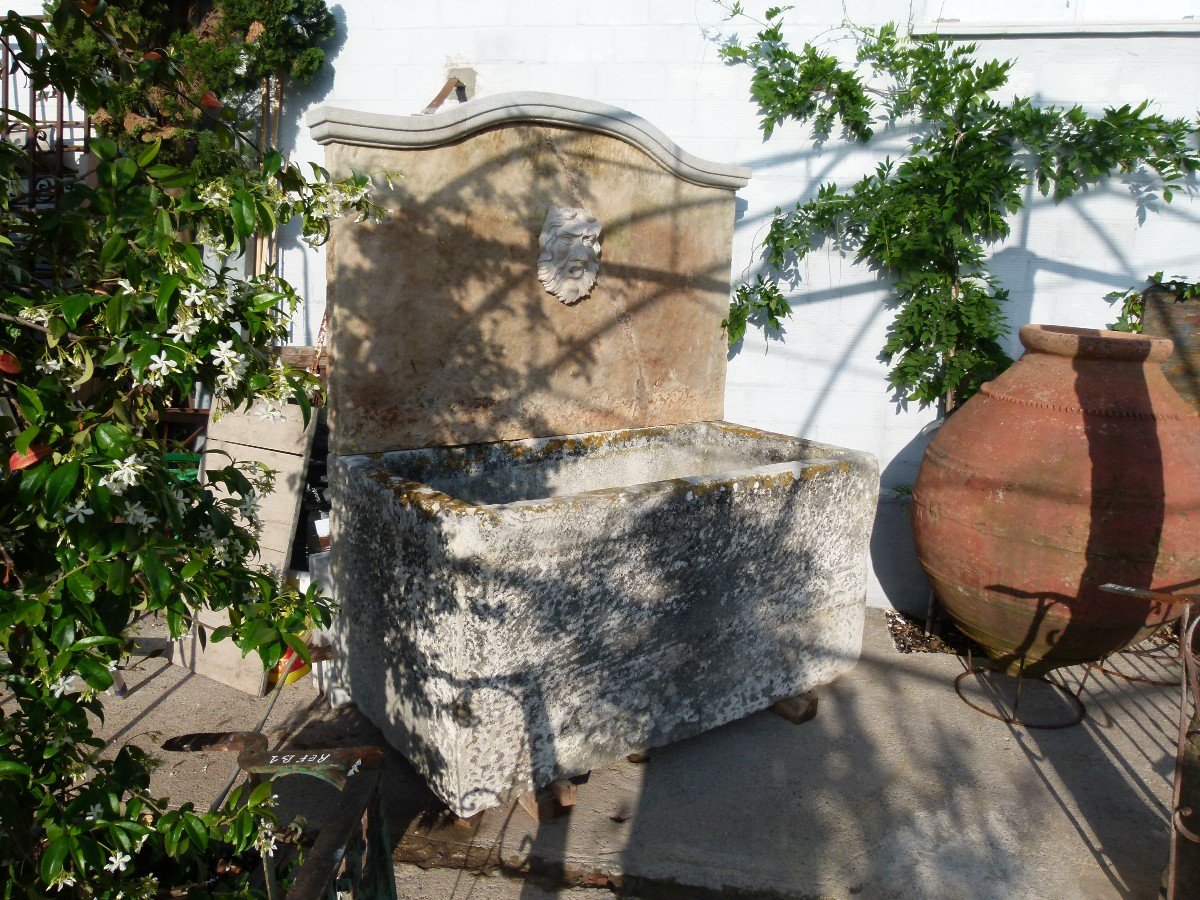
{"x": 548, "y": 549}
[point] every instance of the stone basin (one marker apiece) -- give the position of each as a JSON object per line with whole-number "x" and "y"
{"x": 521, "y": 611}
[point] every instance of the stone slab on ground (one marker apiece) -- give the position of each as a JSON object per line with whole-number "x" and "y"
{"x": 895, "y": 789}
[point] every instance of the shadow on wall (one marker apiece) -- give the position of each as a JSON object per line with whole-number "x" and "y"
{"x": 483, "y": 352}
{"x": 893, "y": 556}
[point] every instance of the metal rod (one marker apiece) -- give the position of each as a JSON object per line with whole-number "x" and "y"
{"x": 7, "y": 75}
{"x": 1020, "y": 681}
{"x": 1141, "y": 594}
{"x": 447, "y": 89}
{"x": 1176, "y": 794}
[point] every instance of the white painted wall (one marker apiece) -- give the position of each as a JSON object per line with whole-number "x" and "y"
{"x": 658, "y": 58}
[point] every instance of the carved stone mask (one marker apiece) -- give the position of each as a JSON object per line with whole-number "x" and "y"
{"x": 570, "y": 257}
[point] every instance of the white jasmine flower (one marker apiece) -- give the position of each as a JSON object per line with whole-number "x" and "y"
{"x": 353, "y": 770}
{"x": 94, "y": 813}
{"x": 163, "y": 364}
{"x": 50, "y": 365}
{"x": 185, "y": 329}
{"x": 264, "y": 842}
{"x": 273, "y": 412}
{"x": 116, "y": 862}
{"x": 136, "y": 514}
{"x": 225, "y": 355}
{"x": 116, "y": 487}
{"x": 182, "y": 502}
{"x": 215, "y": 193}
{"x": 229, "y": 380}
{"x": 34, "y": 314}
{"x": 206, "y": 534}
{"x": 127, "y": 472}
{"x": 79, "y": 511}
{"x": 63, "y": 879}
{"x": 193, "y": 295}
{"x": 126, "y": 287}
{"x": 62, "y": 686}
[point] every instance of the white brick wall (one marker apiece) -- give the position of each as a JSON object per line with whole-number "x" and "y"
{"x": 658, "y": 58}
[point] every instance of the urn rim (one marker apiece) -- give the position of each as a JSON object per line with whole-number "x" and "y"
{"x": 1095, "y": 343}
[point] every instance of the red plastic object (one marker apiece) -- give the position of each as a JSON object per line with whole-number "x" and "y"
{"x": 1078, "y": 466}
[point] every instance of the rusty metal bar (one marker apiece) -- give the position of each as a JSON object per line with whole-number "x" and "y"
{"x": 451, "y": 84}
{"x": 1141, "y": 594}
{"x": 60, "y": 154}
{"x": 31, "y": 145}
{"x": 4, "y": 97}
{"x": 46, "y": 142}
{"x": 1183, "y": 866}
{"x": 351, "y": 855}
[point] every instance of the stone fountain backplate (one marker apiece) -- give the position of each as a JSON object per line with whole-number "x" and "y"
{"x": 548, "y": 550}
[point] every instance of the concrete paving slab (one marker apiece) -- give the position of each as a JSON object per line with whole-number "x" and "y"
{"x": 895, "y": 789}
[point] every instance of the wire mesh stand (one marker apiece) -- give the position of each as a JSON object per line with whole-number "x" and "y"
{"x": 1013, "y": 718}
{"x": 1167, "y": 655}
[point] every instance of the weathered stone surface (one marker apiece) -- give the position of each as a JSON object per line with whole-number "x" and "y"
{"x": 518, "y": 612}
{"x": 1165, "y": 317}
{"x": 442, "y": 332}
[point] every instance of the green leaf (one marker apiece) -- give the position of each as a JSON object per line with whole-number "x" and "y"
{"x": 112, "y": 441}
{"x": 156, "y": 573}
{"x": 95, "y": 640}
{"x": 53, "y": 856}
{"x": 60, "y": 485}
{"x": 196, "y": 829}
{"x": 147, "y": 155}
{"x": 81, "y": 587}
{"x": 104, "y": 148}
{"x": 26, "y": 437}
{"x": 116, "y": 573}
{"x": 75, "y": 306}
{"x": 94, "y": 672}
{"x": 10, "y": 769}
{"x": 298, "y": 645}
{"x": 242, "y": 209}
{"x": 112, "y": 250}
{"x": 260, "y": 793}
{"x": 166, "y": 288}
{"x": 86, "y": 373}
{"x": 125, "y": 170}
{"x": 190, "y": 570}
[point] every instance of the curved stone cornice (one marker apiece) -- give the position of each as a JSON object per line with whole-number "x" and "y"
{"x": 330, "y": 125}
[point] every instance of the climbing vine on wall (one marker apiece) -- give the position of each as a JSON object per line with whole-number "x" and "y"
{"x": 929, "y": 219}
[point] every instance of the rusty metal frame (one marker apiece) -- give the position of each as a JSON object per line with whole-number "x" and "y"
{"x": 1188, "y": 735}
{"x": 60, "y": 128}
{"x": 351, "y": 856}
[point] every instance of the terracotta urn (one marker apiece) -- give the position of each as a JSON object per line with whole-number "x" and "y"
{"x": 1080, "y": 465}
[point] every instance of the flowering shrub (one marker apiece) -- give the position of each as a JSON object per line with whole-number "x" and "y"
{"x": 106, "y": 314}
{"x": 221, "y": 51}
